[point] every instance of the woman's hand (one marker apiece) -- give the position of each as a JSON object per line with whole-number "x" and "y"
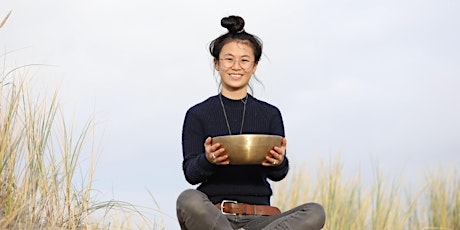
{"x": 276, "y": 156}
{"x": 215, "y": 153}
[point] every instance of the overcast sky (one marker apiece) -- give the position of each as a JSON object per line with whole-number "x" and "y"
{"x": 366, "y": 80}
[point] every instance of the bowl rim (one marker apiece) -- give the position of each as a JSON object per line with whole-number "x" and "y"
{"x": 241, "y": 135}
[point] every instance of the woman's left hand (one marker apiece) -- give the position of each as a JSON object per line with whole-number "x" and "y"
{"x": 276, "y": 156}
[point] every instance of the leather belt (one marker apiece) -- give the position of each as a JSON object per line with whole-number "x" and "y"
{"x": 233, "y": 208}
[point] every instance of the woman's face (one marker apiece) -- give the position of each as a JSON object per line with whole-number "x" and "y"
{"x": 236, "y": 66}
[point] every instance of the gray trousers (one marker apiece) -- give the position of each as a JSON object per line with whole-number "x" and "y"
{"x": 196, "y": 212}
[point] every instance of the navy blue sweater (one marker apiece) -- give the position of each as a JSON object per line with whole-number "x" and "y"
{"x": 243, "y": 183}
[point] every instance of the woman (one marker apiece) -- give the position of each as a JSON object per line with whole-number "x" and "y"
{"x": 235, "y": 196}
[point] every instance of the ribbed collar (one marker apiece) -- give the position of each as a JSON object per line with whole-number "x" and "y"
{"x": 234, "y": 103}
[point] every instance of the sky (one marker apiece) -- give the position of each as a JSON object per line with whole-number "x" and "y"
{"x": 363, "y": 79}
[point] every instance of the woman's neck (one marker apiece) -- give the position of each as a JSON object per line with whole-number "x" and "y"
{"x": 234, "y": 95}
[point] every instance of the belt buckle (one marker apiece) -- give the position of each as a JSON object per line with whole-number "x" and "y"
{"x": 222, "y": 206}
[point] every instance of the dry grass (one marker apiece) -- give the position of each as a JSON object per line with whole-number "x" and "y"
{"x": 47, "y": 166}
{"x": 442, "y": 204}
{"x": 41, "y": 155}
{"x": 384, "y": 204}
{"x": 39, "y": 160}
{"x": 2, "y": 23}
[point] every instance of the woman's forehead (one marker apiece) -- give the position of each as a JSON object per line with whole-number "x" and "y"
{"x": 237, "y": 48}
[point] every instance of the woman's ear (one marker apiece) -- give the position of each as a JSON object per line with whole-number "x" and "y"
{"x": 255, "y": 67}
{"x": 216, "y": 64}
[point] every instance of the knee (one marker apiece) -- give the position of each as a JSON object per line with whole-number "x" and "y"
{"x": 190, "y": 200}
{"x": 186, "y": 195}
{"x": 306, "y": 216}
{"x": 316, "y": 214}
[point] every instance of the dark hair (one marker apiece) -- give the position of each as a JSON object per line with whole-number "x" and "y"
{"x": 235, "y": 26}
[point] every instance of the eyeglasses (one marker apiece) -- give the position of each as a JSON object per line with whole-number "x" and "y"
{"x": 229, "y": 62}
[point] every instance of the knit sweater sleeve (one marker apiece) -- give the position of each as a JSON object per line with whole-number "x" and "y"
{"x": 277, "y": 126}
{"x": 195, "y": 165}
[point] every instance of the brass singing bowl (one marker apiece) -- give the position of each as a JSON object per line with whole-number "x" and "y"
{"x": 247, "y": 148}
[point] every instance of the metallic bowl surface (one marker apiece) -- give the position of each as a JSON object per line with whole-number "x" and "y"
{"x": 247, "y": 148}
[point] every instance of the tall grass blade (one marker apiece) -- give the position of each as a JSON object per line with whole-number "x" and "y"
{"x": 4, "y": 19}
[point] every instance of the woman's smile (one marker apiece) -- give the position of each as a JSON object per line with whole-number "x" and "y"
{"x": 236, "y": 76}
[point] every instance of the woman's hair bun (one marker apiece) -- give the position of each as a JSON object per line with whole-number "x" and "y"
{"x": 234, "y": 24}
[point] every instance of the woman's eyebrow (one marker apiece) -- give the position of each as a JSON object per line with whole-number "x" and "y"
{"x": 229, "y": 54}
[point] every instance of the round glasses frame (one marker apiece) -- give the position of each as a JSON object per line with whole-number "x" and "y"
{"x": 230, "y": 62}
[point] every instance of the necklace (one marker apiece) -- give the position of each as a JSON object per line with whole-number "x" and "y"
{"x": 245, "y": 101}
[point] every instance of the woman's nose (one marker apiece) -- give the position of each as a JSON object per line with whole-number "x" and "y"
{"x": 236, "y": 64}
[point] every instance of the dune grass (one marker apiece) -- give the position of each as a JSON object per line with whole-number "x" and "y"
{"x": 384, "y": 203}
{"x": 39, "y": 160}
{"x": 48, "y": 163}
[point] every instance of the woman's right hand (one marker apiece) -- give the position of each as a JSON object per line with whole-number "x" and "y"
{"x": 215, "y": 153}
